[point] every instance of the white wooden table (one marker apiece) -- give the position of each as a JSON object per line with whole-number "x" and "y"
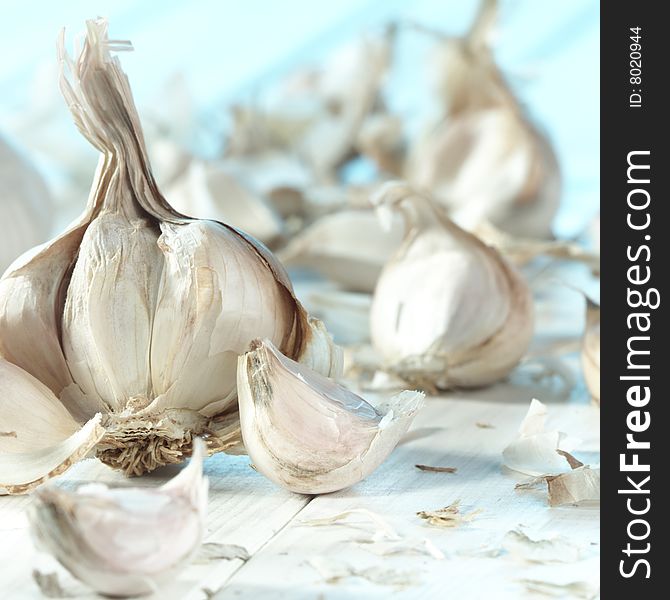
{"x": 248, "y": 510}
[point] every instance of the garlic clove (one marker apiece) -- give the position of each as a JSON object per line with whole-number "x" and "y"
{"x": 349, "y": 247}
{"x": 447, "y": 309}
{"x": 31, "y": 301}
{"x": 591, "y": 350}
{"x": 38, "y": 437}
{"x": 197, "y": 333}
{"x": 207, "y": 191}
{"x": 309, "y": 434}
{"x": 109, "y": 308}
{"x": 124, "y": 542}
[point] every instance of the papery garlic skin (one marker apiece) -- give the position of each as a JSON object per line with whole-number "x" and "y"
{"x": 448, "y": 311}
{"x": 25, "y": 206}
{"x": 484, "y": 159}
{"x": 124, "y": 542}
{"x": 141, "y": 311}
{"x": 309, "y": 434}
{"x": 591, "y": 350}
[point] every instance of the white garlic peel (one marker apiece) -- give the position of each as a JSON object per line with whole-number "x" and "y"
{"x": 141, "y": 312}
{"x": 25, "y": 206}
{"x": 591, "y": 350}
{"x": 484, "y": 159}
{"x": 306, "y": 432}
{"x": 448, "y": 310}
{"x": 124, "y": 542}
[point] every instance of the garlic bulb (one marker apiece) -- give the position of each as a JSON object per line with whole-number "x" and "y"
{"x": 306, "y": 432}
{"x": 349, "y": 247}
{"x": 124, "y": 542}
{"x": 138, "y": 312}
{"x": 484, "y": 159}
{"x": 25, "y": 206}
{"x": 448, "y": 311}
{"x": 207, "y": 191}
{"x": 591, "y": 350}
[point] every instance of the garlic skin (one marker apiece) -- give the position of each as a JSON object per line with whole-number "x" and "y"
{"x": 349, "y": 247}
{"x": 591, "y": 350}
{"x": 140, "y": 311}
{"x": 39, "y": 438}
{"x": 124, "y": 542}
{"x": 25, "y": 205}
{"x": 309, "y": 434}
{"x": 448, "y": 311}
{"x": 484, "y": 159}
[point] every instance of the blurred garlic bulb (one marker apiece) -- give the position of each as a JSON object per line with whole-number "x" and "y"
{"x": 138, "y": 312}
{"x": 349, "y": 247}
{"x": 309, "y": 434}
{"x": 484, "y": 159}
{"x": 124, "y": 542}
{"x": 207, "y": 191}
{"x": 591, "y": 350}
{"x": 350, "y": 87}
{"x": 317, "y": 113}
{"x": 448, "y": 311}
{"x": 25, "y": 206}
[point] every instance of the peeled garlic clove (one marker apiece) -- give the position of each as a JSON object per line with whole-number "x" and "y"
{"x": 349, "y": 247}
{"x": 448, "y": 310}
{"x": 38, "y": 437}
{"x": 306, "y": 432}
{"x": 591, "y": 350}
{"x": 25, "y": 206}
{"x": 484, "y": 129}
{"x": 124, "y": 542}
{"x": 140, "y": 311}
{"x": 207, "y": 191}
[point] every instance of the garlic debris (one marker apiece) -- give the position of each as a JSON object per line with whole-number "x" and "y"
{"x": 591, "y": 350}
{"x": 484, "y": 159}
{"x": 309, "y": 434}
{"x": 25, "y": 206}
{"x": 124, "y": 542}
{"x": 138, "y": 312}
{"x": 349, "y": 247}
{"x": 448, "y": 311}
{"x": 207, "y": 191}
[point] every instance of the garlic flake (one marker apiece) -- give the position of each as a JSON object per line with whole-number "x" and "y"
{"x": 306, "y": 432}
{"x": 124, "y": 542}
{"x": 138, "y": 312}
{"x": 448, "y": 311}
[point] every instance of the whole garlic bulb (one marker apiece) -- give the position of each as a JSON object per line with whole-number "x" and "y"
{"x": 25, "y": 206}
{"x": 306, "y": 432}
{"x": 591, "y": 350}
{"x": 448, "y": 311}
{"x": 484, "y": 159}
{"x": 124, "y": 542}
{"x": 137, "y": 312}
{"x": 207, "y": 191}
